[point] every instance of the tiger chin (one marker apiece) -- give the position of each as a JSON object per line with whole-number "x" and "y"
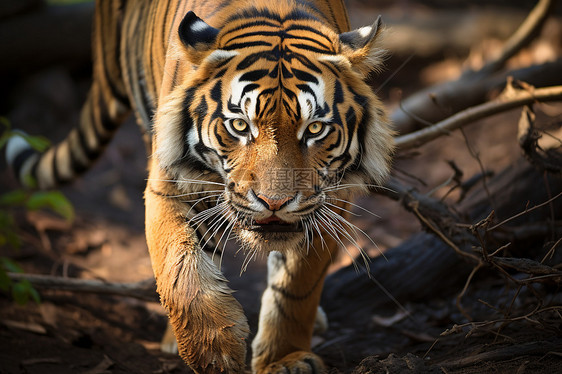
{"x": 260, "y": 126}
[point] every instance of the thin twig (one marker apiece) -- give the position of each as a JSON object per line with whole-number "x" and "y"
{"x": 550, "y": 252}
{"x": 143, "y": 290}
{"x": 501, "y": 104}
{"x": 527, "y": 210}
{"x": 436, "y": 231}
{"x": 461, "y": 294}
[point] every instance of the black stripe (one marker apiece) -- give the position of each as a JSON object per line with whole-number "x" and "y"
{"x": 249, "y": 88}
{"x": 253, "y": 12}
{"x": 92, "y": 154}
{"x": 306, "y": 62}
{"x": 300, "y": 37}
{"x": 96, "y": 118}
{"x": 304, "y": 76}
{"x": 254, "y": 75}
{"x": 56, "y": 175}
{"x": 21, "y": 158}
{"x": 165, "y": 18}
{"x": 312, "y": 49}
{"x": 246, "y": 45}
{"x": 335, "y": 144}
{"x": 260, "y": 34}
{"x": 335, "y": 69}
{"x": 311, "y": 29}
{"x": 247, "y": 25}
{"x": 107, "y": 123}
{"x": 75, "y": 162}
{"x": 112, "y": 87}
{"x": 219, "y": 138}
{"x": 273, "y": 55}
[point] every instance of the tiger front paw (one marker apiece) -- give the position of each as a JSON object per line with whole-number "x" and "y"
{"x": 214, "y": 350}
{"x": 300, "y": 362}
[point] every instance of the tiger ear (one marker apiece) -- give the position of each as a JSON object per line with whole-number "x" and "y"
{"x": 361, "y": 48}
{"x": 197, "y": 36}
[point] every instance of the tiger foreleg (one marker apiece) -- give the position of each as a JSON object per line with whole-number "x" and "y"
{"x": 209, "y": 324}
{"x": 289, "y": 311}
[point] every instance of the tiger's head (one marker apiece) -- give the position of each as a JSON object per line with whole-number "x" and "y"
{"x": 276, "y": 109}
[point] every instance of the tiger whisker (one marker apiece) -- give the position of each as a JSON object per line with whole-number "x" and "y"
{"x": 202, "y": 181}
{"x": 192, "y": 181}
{"x": 204, "y": 215}
{"x": 329, "y": 229}
{"x": 355, "y": 205}
{"x": 337, "y": 187}
{"x": 316, "y": 227}
{"x": 249, "y": 256}
{"x": 308, "y": 225}
{"x": 220, "y": 223}
{"x": 345, "y": 210}
{"x": 355, "y": 228}
{"x": 200, "y": 200}
{"x": 336, "y": 219}
{"x": 195, "y": 193}
{"x": 213, "y": 223}
{"x": 196, "y": 201}
{"x": 231, "y": 225}
{"x": 306, "y": 238}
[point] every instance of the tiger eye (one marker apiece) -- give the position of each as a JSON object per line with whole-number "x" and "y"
{"x": 315, "y": 127}
{"x": 239, "y": 125}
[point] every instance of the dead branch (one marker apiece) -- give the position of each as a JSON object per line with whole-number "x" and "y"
{"x": 143, "y": 290}
{"x": 511, "y": 98}
{"x": 526, "y": 211}
{"x": 528, "y": 266}
{"x": 545, "y": 155}
{"x": 503, "y": 353}
{"x": 521, "y": 37}
{"x": 436, "y": 103}
{"x": 415, "y": 270}
{"x": 434, "y": 215}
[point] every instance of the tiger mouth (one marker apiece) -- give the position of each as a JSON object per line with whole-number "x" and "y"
{"x": 273, "y": 226}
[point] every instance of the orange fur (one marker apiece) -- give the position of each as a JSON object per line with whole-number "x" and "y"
{"x": 276, "y": 66}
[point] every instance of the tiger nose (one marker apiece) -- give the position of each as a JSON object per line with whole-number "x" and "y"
{"x": 273, "y": 203}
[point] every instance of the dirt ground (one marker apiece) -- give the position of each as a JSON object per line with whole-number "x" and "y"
{"x": 89, "y": 333}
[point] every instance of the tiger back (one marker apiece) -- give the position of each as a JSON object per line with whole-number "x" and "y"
{"x": 260, "y": 126}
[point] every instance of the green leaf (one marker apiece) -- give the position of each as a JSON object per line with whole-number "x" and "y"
{"x": 10, "y": 238}
{"x": 8, "y": 234}
{"x": 13, "y": 198}
{"x": 4, "y": 121}
{"x": 53, "y": 200}
{"x": 10, "y": 265}
{"x": 6, "y": 219}
{"x": 34, "y": 294}
{"x": 30, "y": 182}
{"x": 5, "y": 281}
{"x": 23, "y": 290}
{"x": 39, "y": 143}
{"x": 20, "y": 293}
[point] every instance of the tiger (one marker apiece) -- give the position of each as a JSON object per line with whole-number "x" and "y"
{"x": 260, "y": 125}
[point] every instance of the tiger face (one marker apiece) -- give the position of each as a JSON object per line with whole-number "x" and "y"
{"x": 282, "y": 118}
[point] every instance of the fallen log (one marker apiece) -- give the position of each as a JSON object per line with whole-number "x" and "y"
{"x": 425, "y": 265}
